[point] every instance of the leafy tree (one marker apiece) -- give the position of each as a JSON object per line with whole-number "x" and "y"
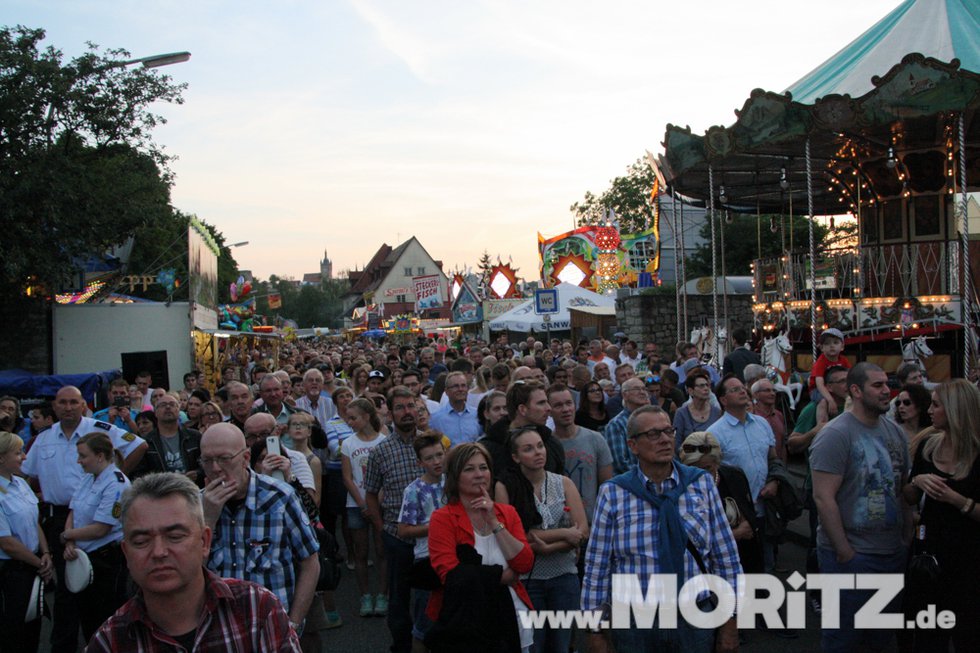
{"x": 628, "y": 196}
{"x": 742, "y": 242}
{"x": 79, "y": 171}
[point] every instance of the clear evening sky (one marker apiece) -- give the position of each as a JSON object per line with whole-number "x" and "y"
{"x": 472, "y": 124}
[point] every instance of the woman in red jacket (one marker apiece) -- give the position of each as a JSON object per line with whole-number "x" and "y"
{"x": 471, "y": 618}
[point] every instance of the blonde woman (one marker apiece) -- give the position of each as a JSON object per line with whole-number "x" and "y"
{"x": 945, "y": 471}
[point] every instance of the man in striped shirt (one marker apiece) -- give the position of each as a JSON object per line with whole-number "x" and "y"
{"x": 180, "y": 604}
{"x": 649, "y": 520}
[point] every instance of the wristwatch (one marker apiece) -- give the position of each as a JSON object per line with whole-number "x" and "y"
{"x": 499, "y": 527}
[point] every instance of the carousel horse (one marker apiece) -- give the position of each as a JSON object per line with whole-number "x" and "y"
{"x": 707, "y": 345}
{"x": 916, "y": 351}
{"x": 774, "y": 351}
{"x": 722, "y": 340}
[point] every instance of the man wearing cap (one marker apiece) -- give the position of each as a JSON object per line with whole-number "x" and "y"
{"x": 376, "y": 379}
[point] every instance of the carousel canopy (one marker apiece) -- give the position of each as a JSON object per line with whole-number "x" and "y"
{"x": 901, "y": 135}
{"x": 941, "y": 29}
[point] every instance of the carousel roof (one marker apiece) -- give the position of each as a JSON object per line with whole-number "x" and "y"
{"x": 941, "y": 29}
{"x": 899, "y": 136}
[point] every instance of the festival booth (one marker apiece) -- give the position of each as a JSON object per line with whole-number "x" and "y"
{"x": 523, "y": 319}
{"x": 214, "y": 349}
{"x": 887, "y": 131}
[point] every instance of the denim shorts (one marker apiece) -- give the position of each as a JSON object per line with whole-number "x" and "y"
{"x": 355, "y": 518}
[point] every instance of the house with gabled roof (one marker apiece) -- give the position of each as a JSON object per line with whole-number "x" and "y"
{"x": 388, "y": 279}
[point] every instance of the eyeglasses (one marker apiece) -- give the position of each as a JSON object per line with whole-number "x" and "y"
{"x": 734, "y": 389}
{"x": 220, "y": 461}
{"x": 904, "y": 402}
{"x": 652, "y": 378}
{"x": 211, "y": 414}
{"x": 701, "y": 386}
{"x": 656, "y": 434}
{"x": 700, "y": 448}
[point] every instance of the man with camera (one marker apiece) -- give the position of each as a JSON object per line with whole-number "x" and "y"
{"x": 119, "y": 412}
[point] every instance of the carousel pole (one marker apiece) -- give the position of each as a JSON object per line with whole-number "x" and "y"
{"x": 714, "y": 253}
{"x": 683, "y": 280}
{"x": 677, "y": 253}
{"x": 813, "y": 253}
{"x": 969, "y": 339}
{"x": 724, "y": 286}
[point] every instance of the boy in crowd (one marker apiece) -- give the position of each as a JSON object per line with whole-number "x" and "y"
{"x": 831, "y": 348}
{"x": 422, "y": 497}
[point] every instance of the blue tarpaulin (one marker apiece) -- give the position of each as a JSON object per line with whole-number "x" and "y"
{"x": 22, "y": 384}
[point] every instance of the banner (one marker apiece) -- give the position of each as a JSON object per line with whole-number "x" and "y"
{"x": 202, "y": 274}
{"x": 466, "y": 308}
{"x": 275, "y": 301}
{"x": 427, "y": 292}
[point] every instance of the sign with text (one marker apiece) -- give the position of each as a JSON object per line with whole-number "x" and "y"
{"x": 427, "y": 292}
{"x": 545, "y": 301}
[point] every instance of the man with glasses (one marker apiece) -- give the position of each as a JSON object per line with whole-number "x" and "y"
{"x": 291, "y": 463}
{"x": 650, "y": 520}
{"x": 260, "y": 531}
{"x": 457, "y": 421}
{"x": 170, "y": 446}
{"x": 747, "y": 442}
{"x": 634, "y": 396}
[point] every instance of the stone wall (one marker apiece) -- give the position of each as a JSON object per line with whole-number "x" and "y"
{"x": 645, "y": 317}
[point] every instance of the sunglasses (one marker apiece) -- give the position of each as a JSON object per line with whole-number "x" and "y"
{"x": 700, "y": 448}
{"x": 904, "y": 402}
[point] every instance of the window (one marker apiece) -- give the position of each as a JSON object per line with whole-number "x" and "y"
{"x": 408, "y": 271}
{"x": 400, "y": 299}
{"x": 420, "y": 271}
{"x": 641, "y": 253}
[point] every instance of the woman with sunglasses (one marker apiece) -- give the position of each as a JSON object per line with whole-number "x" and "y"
{"x": 946, "y": 473}
{"x": 592, "y": 413}
{"x": 701, "y": 449}
{"x": 912, "y": 412}
{"x": 698, "y": 413}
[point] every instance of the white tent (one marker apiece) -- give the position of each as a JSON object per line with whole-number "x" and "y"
{"x": 522, "y": 317}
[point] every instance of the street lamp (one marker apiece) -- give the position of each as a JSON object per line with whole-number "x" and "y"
{"x": 241, "y": 244}
{"x": 157, "y": 60}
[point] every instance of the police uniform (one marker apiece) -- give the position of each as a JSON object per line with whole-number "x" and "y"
{"x": 18, "y": 519}
{"x": 98, "y": 500}
{"x": 53, "y": 460}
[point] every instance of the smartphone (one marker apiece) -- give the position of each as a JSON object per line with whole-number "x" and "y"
{"x": 273, "y": 448}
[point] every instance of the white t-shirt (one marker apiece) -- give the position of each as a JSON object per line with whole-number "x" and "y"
{"x": 357, "y": 451}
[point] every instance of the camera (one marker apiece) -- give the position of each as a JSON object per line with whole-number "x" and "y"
{"x": 120, "y": 402}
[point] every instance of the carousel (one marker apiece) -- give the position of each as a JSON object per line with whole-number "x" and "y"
{"x": 885, "y": 131}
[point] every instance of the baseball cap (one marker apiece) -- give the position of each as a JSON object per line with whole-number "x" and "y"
{"x": 836, "y": 333}
{"x": 376, "y": 374}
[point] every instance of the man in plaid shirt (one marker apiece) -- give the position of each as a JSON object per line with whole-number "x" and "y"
{"x": 180, "y": 604}
{"x": 643, "y": 522}
{"x": 260, "y": 531}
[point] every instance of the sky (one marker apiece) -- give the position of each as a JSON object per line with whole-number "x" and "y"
{"x": 473, "y": 125}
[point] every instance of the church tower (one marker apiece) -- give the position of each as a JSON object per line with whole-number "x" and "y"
{"x": 326, "y": 267}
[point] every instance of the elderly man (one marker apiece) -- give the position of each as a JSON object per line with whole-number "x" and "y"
{"x": 634, "y": 396}
{"x": 457, "y": 421}
{"x": 764, "y": 398}
{"x": 181, "y": 605}
{"x": 53, "y": 461}
{"x": 313, "y": 401}
{"x": 261, "y": 532}
{"x": 239, "y": 404}
{"x": 291, "y": 463}
{"x": 860, "y": 461}
{"x": 270, "y": 388}
{"x": 648, "y": 521}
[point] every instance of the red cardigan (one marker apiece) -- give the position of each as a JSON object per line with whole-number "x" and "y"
{"x": 450, "y": 526}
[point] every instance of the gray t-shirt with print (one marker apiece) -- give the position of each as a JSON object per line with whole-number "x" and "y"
{"x": 584, "y": 455}
{"x": 873, "y": 462}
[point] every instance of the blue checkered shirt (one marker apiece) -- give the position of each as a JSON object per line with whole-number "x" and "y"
{"x": 392, "y": 465}
{"x": 625, "y": 537}
{"x": 623, "y": 459}
{"x": 264, "y": 539}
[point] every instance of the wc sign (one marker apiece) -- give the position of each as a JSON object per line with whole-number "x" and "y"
{"x": 546, "y": 301}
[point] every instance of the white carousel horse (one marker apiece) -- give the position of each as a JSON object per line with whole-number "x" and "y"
{"x": 722, "y": 343}
{"x": 704, "y": 339}
{"x": 916, "y": 351}
{"x": 774, "y": 351}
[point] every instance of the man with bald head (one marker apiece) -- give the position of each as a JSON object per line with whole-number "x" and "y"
{"x": 634, "y": 395}
{"x": 53, "y": 462}
{"x": 260, "y": 531}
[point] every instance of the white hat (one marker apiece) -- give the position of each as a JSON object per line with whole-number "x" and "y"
{"x": 78, "y": 572}
{"x": 35, "y": 605}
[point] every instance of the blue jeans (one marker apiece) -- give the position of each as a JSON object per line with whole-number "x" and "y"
{"x": 683, "y": 639}
{"x": 559, "y": 593}
{"x": 422, "y": 624}
{"x": 847, "y": 639}
{"x": 399, "y": 555}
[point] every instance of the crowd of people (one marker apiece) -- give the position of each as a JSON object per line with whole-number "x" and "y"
{"x": 468, "y": 483}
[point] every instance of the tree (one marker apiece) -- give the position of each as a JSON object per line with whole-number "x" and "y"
{"x": 742, "y": 242}
{"x": 628, "y": 196}
{"x": 79, "y": 171}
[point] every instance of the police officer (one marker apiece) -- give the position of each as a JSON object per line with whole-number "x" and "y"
{"x": 53, "y": 462}
{"x": 93, "y": 525}
{"x": 24, "y": 552}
